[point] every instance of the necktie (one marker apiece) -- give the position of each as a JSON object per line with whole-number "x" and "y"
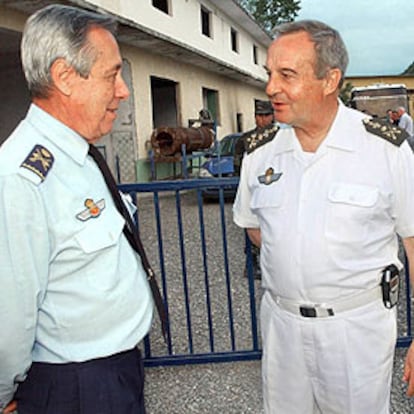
{"x": 131, "y": 233}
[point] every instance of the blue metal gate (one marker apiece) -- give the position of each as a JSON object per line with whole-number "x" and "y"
{"x": 199, "y": 258}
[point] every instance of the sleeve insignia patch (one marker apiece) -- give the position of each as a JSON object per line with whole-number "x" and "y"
{"x": 269, "y": 177}
{"x": 260, "y": 137}
{"x": 39, "y": 161}
{"x": 385, "y": 130}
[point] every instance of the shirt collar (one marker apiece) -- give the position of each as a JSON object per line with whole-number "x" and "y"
{"x": 344, "y": 132}
{"x": 63, "y": 137}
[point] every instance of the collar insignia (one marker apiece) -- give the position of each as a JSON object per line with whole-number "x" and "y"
{"x": 269, "y": 176}
{"x": 39, "y": 161}
{"x": 92, "y": 209}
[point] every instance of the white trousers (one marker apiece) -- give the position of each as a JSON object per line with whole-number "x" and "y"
{"x": 336, "y": 365}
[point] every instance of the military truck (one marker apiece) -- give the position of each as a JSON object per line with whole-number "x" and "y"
{"x": 376, "y": 99}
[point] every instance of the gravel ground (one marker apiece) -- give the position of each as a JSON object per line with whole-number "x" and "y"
{"x": 229, "y": 388}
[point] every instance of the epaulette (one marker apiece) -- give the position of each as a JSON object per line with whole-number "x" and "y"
{"x": 39, "y": 161}
{"x": 260, "y": 137}
{"x": 385, "y": 130}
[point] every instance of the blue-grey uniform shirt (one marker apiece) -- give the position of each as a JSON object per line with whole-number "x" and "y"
{"x": 72, "y": 288}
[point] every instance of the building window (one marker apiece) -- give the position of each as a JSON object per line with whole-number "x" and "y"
{"x": 161, "y": 5}
{"x": 239, "y": 120}
{"x": 211, "y": 102}
{"x": 255, "y": 61}
{"x": 234, "y": 40}
{"x": 164, "y": 102}
{"x": 205, "y": 22}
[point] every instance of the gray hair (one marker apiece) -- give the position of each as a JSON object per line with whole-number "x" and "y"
{"x": 55, "y": 32}
{"x": 330, "y": 49}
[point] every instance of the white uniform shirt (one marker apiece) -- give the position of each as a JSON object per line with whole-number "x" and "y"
{"x": 406, "y": 123}
{"x": 72, "y": 287}
{"x": 329, "y": 222}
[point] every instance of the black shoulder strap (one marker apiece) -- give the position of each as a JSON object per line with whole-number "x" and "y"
{"x": 385, "y": 130}
{"x": 260, "y": 136}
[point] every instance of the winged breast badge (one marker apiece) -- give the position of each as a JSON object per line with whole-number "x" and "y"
{"x": 269, "y": 176}
{"x": 93, "y": 209}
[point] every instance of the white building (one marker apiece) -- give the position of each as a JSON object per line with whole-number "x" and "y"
{"x": 179, "y": 56}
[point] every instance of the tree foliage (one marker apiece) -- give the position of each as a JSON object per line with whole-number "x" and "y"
{"x": 345, "y": 93}
{"x": 270, "y": 13}
{"x": 409, "y": 70}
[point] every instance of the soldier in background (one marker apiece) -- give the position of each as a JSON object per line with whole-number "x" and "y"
{"x": 263, "y": 115}
{"x": 263, "y": 132}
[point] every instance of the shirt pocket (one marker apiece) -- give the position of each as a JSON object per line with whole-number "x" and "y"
{"x": 350, "y": 212}
{"x": 268, "y": 203}
{"x": 100, "y": 233}
{"x": 266, "y": 197}
{"x": 100, "y": 246}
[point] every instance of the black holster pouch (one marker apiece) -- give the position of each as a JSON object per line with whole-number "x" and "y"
{"x": 390, "y": 286}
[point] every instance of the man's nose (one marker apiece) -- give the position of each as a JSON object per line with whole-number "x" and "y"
{"x": 273, "y": 85}
{"x": 122, "y": 91}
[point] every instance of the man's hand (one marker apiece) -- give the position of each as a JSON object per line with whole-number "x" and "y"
{"x": 255, "y": 236}
{"x": 10, "y": 407}
{"x": 409, "y": 370}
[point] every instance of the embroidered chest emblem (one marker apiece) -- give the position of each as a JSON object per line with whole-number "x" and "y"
{"x": 269, "y": 176}
{"x": 92, "y": 209}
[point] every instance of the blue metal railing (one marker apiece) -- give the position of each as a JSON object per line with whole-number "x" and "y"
{"x": 190, "y": 341}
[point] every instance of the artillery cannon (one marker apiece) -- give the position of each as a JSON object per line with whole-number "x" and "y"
{"x": 168, "y": 141}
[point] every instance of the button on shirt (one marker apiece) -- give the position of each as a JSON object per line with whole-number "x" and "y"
{"x": 72, "y": 287}
{"x": 329, "y": 221}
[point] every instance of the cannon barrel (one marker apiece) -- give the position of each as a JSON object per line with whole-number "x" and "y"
{"x": 168, "y": 141}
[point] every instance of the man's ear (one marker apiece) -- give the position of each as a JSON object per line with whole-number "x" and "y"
{"x": 332, "y": 79}
{"x": 63, "y": 76}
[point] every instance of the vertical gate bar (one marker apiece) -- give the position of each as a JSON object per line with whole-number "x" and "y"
{"x": 226, "y": 268}
{"x": 157, "y": 211}
{"x": 147, "y": 341}
{"x": 205, "y": 268}
{"x": 252, "y": 297}
{"x": 152, "y": 165}
{"x": 184, "y": 270}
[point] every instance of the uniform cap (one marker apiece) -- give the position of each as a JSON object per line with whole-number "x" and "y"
{"x": 263, "y": 108}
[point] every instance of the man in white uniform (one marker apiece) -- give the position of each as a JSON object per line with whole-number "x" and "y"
{"x": 325, "y": 201}
{"x": 406, "y": 122}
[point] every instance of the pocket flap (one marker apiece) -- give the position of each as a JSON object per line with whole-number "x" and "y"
{"x": 101, "y": 233}
{"x": 354, "y": 194}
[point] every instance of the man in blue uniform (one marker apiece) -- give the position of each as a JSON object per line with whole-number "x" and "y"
{"x": 75, "y": 298}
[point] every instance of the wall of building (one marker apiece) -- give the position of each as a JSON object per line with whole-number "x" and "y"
{"x": 183, "y": 24}
{"x": 234, "y": 98}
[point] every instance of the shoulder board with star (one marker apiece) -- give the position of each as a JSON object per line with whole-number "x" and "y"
{"x": 39, "y": 162}
{"x": 260, "y": 137}
{"x": 385, "y": 130}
